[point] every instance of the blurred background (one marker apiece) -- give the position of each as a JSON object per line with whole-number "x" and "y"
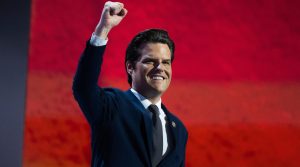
{"x": 236, "y": 78}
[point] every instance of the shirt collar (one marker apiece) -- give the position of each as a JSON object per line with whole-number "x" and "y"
{"x": 145, "y": 102}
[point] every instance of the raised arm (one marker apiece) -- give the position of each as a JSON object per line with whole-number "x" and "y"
{"x": 89, "y": 96}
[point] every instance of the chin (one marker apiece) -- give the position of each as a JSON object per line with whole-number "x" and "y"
{"x": 159, "y": 89}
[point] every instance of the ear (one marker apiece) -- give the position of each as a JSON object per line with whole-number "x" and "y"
{"x": 129, "y": 68}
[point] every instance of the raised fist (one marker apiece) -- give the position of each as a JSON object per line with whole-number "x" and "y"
{"x": 112, "y": 14}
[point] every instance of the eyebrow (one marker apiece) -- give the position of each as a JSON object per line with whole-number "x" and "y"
{"x": 148, "y": 58}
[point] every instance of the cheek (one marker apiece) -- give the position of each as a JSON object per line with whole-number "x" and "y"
{"x": 146, "y": 70}
{"x": 170, "y": 71}
{"x": 143, "y": 73}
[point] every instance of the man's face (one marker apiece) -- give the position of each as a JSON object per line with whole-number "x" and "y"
{"x": 153, "y": 71}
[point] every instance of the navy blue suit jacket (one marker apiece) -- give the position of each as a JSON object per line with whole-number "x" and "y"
{"x": 121, "y": 127}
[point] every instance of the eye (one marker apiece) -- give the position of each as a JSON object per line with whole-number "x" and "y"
{"x": 166, "y": 62}
{"x": 148, "y": 62}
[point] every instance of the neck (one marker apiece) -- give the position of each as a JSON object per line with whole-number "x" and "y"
{"x": 152, "y": 97}
{"x": 153, "y": 100}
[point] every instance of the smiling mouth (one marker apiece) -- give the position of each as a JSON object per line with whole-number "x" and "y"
{"x": 155, "y": 77}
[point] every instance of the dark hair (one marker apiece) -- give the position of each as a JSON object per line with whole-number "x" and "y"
{"x": 144, "y": 37}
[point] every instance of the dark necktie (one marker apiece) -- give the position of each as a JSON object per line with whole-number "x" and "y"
{"x": 157, "y": 135}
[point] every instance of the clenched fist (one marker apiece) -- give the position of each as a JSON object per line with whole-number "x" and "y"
{"x": 112, "y": 14}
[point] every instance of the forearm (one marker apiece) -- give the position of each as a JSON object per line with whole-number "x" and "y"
{"x": 89, "y": 68}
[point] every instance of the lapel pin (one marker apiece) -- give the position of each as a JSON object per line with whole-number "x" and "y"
{"x": 173, "y": 124}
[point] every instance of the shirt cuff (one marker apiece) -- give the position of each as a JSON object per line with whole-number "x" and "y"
{"x": 97, "y": 41}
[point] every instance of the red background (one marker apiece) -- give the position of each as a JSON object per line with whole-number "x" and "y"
{"x": 236, "y": 78}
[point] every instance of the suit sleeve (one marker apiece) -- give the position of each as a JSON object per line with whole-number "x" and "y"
{"x": 91, "y": 98}
{"x": 183, "y": 162}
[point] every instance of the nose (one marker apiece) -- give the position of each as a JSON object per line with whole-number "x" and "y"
{"x": 160, "y": 66}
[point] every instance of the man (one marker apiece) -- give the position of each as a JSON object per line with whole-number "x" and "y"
{"x": 132, "y": 128}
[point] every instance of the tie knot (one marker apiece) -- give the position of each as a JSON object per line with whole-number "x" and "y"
{"x": 154, "y": 109}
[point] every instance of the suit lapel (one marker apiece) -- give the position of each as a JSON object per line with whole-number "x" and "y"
{"x": 171, "y": 124}
{"x": 173, "y": 134}
{"x": 147, "y": 120}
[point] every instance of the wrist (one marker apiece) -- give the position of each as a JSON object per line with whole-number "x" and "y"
{"x": 102, "y": 31}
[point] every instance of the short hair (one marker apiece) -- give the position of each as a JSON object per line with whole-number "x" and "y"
{"x": 144, "y": 37}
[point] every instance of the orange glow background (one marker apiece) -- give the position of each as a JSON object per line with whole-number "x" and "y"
{"x": 236, "y": 78}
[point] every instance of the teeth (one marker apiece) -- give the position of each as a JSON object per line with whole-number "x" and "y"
{"x": 157, "y": 78}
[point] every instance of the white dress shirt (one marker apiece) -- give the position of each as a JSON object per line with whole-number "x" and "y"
{"x": 97, "y": 41}
{"x": 146, "y": 103}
